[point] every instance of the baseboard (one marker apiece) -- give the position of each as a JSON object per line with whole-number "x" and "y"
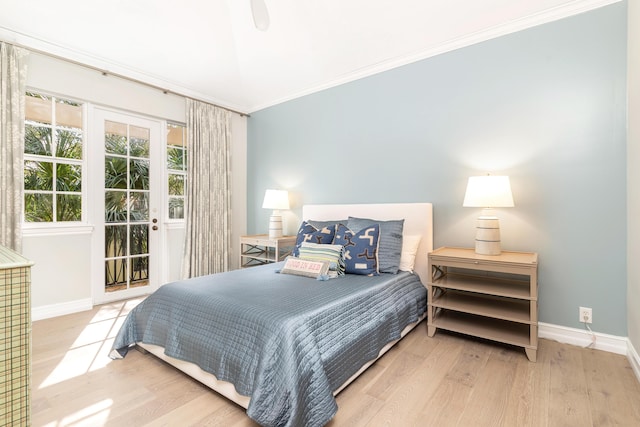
{"x": 54, "y": 310}
{"x": 582, "y": 338}
{"x": 634, "y": 360}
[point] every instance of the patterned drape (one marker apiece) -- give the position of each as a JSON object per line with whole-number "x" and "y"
{"x": 13, "y": 77}
{"x": 208, "y": 201}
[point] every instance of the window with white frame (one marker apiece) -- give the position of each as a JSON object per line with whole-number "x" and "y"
{"x": 53, "y": 156}
{"x": 176, "y": 170}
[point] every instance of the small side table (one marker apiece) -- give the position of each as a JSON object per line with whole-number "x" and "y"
{"x": 259, "y": 249}
{"x": 493, "y": 297}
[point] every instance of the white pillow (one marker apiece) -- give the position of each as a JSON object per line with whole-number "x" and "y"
{"x": 409, "y": 249}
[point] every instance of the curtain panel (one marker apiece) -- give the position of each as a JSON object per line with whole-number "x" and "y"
{"x": 208, "y": 199}
{"x": 13, "y": 77}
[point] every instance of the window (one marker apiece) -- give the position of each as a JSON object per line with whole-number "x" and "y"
{"x": 53, "y": 152}
{"x": 176, "y": 169}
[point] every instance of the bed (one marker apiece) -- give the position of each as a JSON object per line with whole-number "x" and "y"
{"x": 284, "y": 358}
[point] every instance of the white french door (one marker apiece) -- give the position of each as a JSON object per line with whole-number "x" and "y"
{"x": 126, "y": 200}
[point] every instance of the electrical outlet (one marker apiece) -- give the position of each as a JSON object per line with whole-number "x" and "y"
{"x": 585, "y": 315}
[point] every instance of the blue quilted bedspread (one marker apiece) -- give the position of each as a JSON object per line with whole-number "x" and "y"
{"x": 286, "y": 341}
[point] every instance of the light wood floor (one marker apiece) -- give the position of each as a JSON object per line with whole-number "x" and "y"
{"x": 447, "y": 380}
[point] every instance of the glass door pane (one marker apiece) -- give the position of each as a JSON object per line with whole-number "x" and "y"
{"x": 127, "y": 166}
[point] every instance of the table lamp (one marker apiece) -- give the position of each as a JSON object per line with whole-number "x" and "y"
{"x": 276, "y": 200}
{"x": 488, "y": 192}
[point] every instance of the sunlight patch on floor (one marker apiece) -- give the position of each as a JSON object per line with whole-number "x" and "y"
{"x": 90, "y": 349}
{"x": 92, "y": 415}
{"x": 93, "y": 332}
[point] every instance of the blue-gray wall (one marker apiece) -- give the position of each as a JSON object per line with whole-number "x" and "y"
{"x": 545, "y": 106}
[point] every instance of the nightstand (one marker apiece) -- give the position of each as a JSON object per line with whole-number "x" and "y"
{"x": 259, "y": 249}
{"x": 488, "y": 296}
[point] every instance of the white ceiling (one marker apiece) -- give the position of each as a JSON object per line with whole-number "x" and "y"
{"x": 210, "y": 50}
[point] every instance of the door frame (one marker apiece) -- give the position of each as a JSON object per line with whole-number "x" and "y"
{"x": 96, "y": 155}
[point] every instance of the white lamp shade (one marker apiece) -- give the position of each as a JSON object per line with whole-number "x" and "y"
{"x": 488, "y": 192}
{"x": 276, "y": 199}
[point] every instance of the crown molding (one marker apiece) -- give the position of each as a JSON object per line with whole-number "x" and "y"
{"x": 550, "y": 15}
{"x": 44, "y": 47}
{"x": 107, "y": 67}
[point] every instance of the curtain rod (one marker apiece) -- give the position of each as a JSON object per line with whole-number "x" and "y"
{"x": 120, "y": 76}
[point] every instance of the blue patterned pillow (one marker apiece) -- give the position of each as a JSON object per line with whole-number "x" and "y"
{"x": 309, "y": 233}
{"x": 360, "y": 249}
{"x": 390, "y": 241}
{"x": 320, "y": 224}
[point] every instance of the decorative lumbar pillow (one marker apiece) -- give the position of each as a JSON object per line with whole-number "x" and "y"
{"x": 360, "y": 249}
{"x": 309, "y": 233}
{"x": 306, "y": 268}
{"x": 409, "y": 250}
{"x": 329, "y": 253}
{"x": 390, "y": 241}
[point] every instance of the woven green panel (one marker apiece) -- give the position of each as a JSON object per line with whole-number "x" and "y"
{"x": 15, "y": 346}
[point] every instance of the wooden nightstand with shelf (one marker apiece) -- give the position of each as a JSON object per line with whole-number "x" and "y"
{"x": 489, "y": 296}
{"x": 259, "y": 249}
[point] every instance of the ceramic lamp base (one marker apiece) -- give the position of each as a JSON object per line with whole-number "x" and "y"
{"x": 488, "y": 235}
{"x": 275, "y": 225}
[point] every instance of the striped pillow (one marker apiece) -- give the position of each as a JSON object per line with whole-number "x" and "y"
{"x": 309, "y": 233}
{"x": 324, "y": 252}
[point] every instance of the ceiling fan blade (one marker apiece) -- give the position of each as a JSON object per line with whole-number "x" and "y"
{"x": 260, "y": 14}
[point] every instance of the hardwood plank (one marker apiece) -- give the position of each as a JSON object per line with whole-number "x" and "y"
{"x": 403, "y": 405}
{"x": 607, "y": 407}
{"x": 630, "y": 386}
{"x": 169, "y": 396}
{"x": 191, "y": 413}
{"x": 469, "y": 363}
{"x": 528, "y": 400}
{"x": 541, "y": 392}
{"x": 449, "y": 379}
{"x": 229, "y": 415}
{"x": 445, "y": 406}
{"x": 397, "y": 373}
{"x": 355, "y": 411}
{"x": 570, "y": 404}
{"x": 89, "y": 399}
{"x": 418, "y": 342}
{"x": 355, "y": 406}
{"x": 487, "y": 403}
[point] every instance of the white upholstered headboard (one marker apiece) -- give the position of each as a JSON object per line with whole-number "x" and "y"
{"x": 418, "y": 219}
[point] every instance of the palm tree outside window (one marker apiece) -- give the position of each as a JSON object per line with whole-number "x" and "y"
{"x": 53, "y": 156}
